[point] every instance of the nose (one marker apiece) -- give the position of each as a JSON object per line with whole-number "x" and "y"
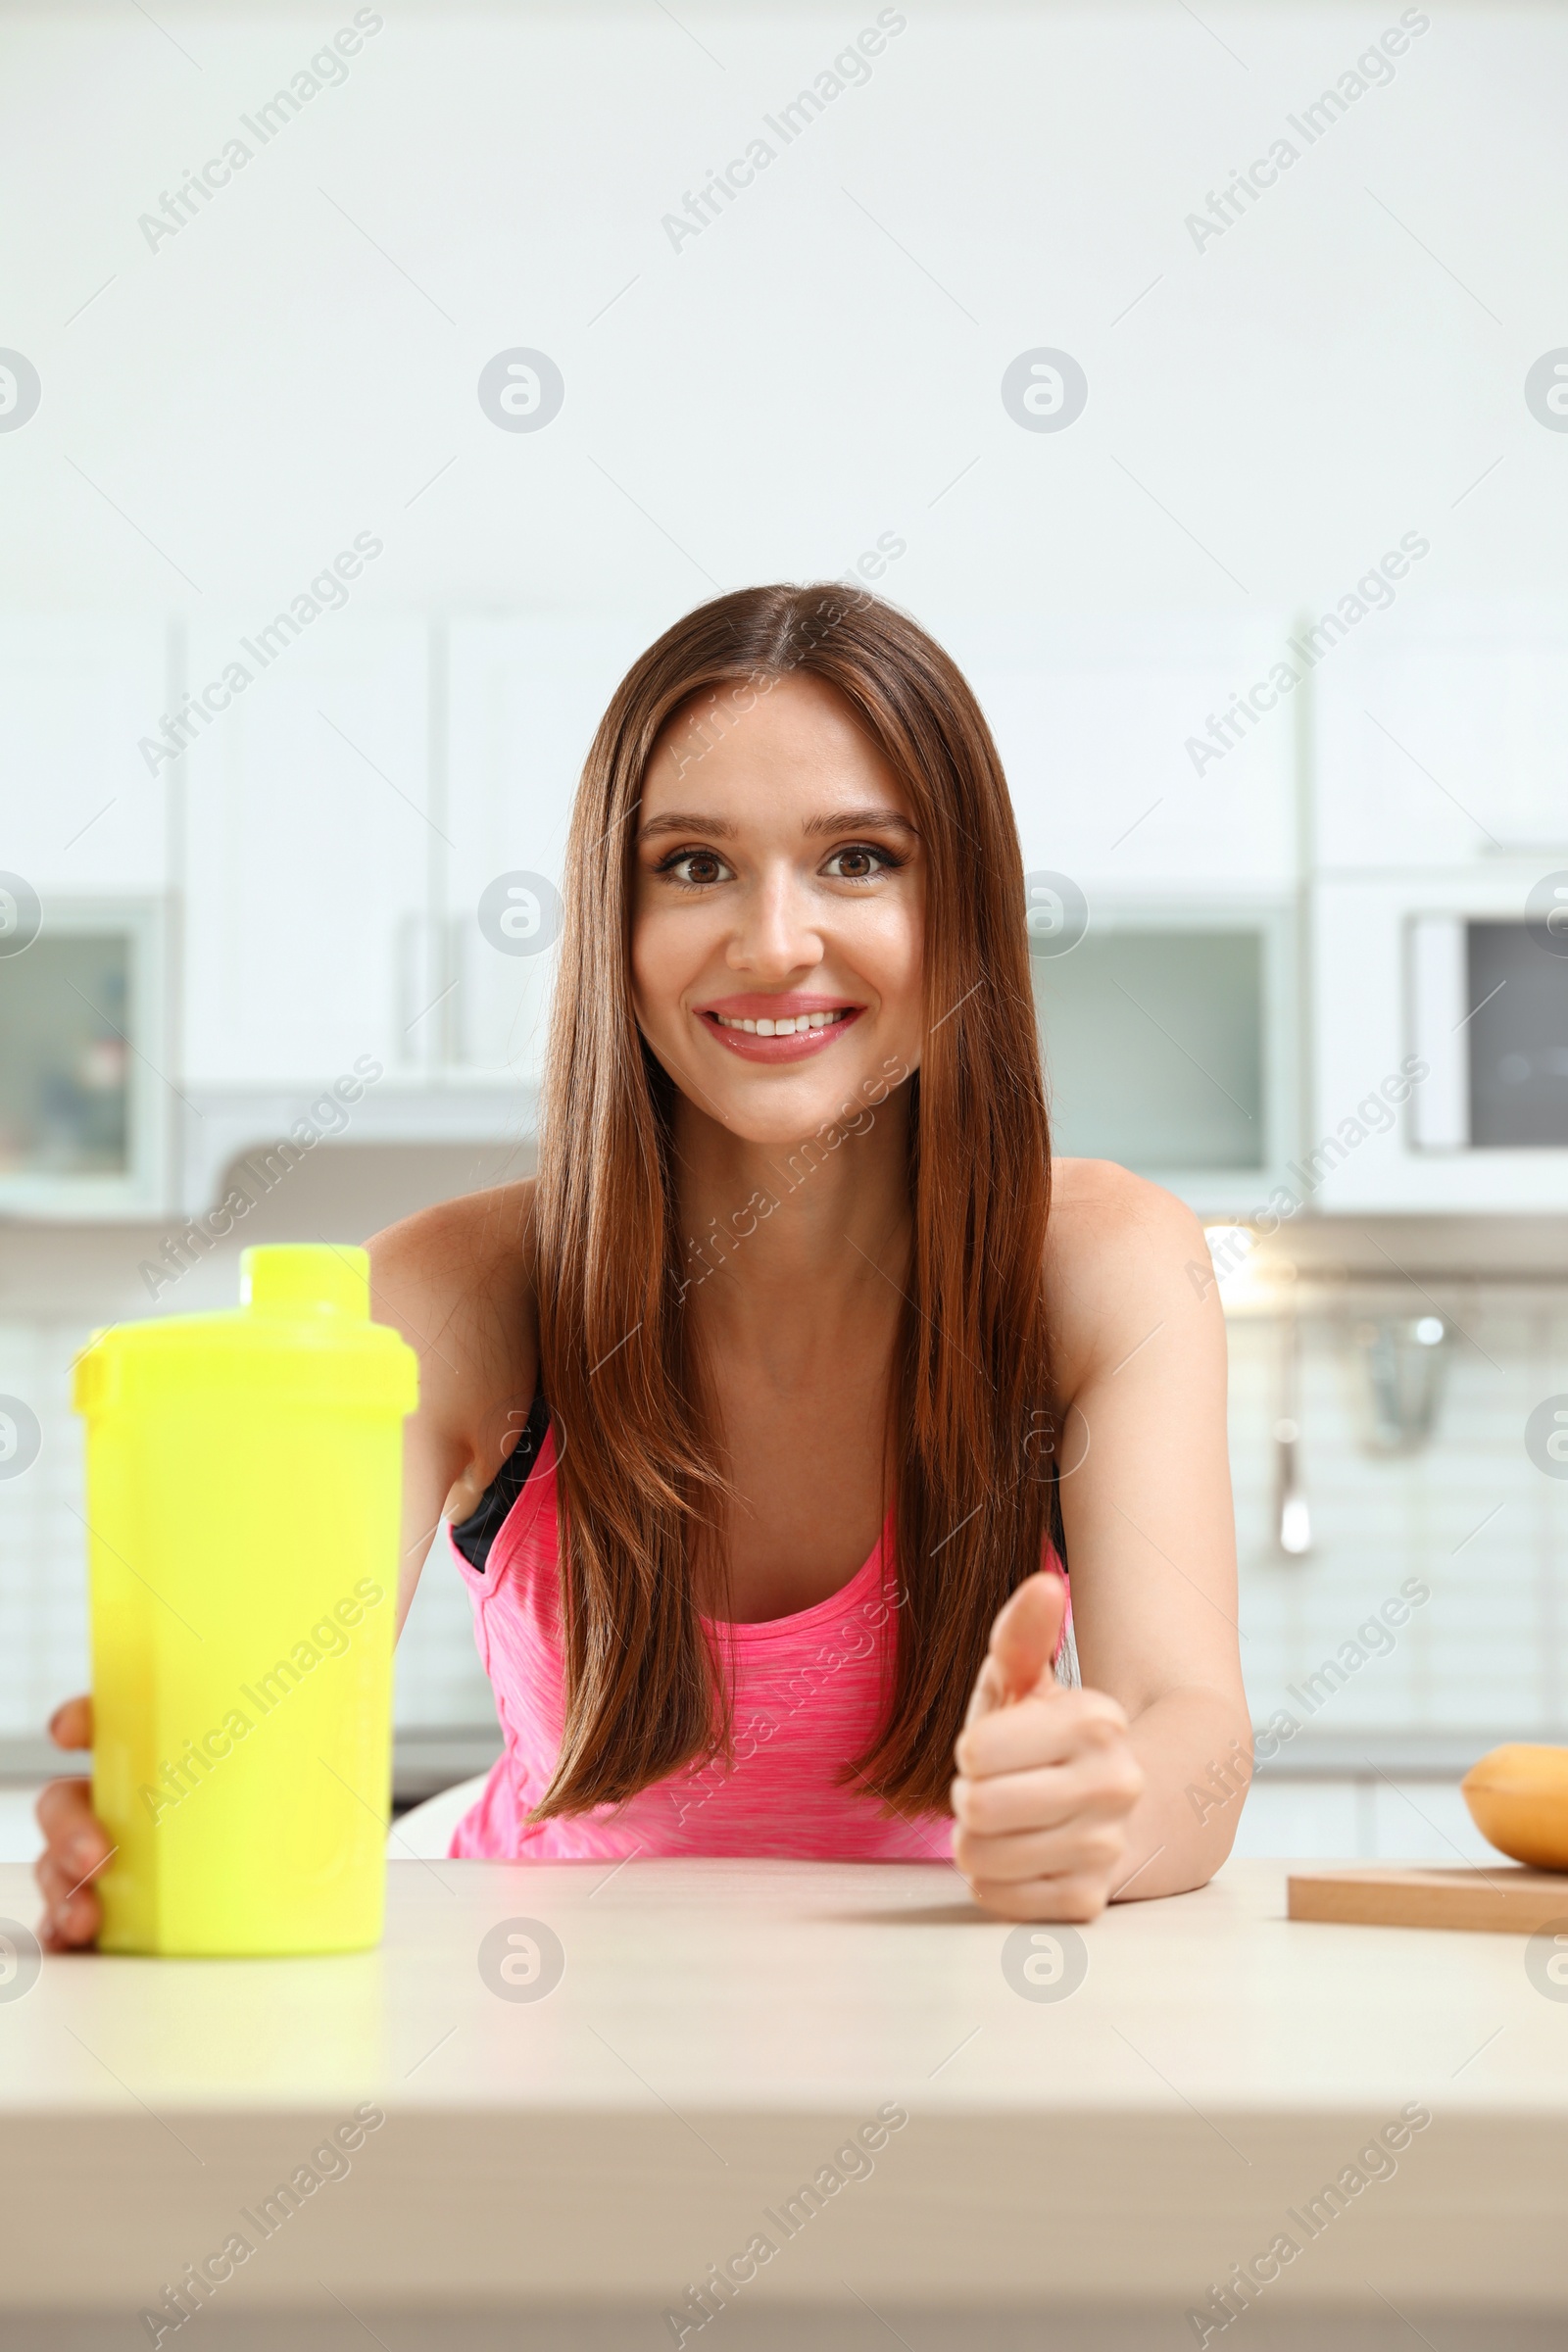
{"x": 775, "y": 935}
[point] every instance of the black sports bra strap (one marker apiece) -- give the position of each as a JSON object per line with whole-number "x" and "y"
{"x": 474, "y": 1535}
{"x": 1057, "y": 1531}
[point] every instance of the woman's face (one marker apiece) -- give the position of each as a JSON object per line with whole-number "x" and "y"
{"x": 780, "y": 887}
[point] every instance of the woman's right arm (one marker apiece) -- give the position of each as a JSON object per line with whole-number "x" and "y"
{"x": 454, "y": 1281}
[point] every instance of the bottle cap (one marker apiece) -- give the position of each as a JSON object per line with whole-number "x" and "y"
{"x": 303, "y": 1340}
{"x": 303, "y": 1278}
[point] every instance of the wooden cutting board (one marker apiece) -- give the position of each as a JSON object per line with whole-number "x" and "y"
{"x": 1504, "y": 1896}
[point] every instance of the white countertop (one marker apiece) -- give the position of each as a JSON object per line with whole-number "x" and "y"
{"x": 720, "y": 2028}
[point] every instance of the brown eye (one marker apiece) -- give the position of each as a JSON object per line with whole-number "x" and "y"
{"x": 860, "y": 862}
{"x": 695, "y": 867}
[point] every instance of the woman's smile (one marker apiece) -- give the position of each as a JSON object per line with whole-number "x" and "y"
{"x": 787, "y": 1027}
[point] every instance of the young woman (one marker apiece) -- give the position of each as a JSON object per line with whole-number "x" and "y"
{"x": 767, "y": 1415}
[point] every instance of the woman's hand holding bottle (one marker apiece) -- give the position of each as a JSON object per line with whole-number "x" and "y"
{"x": 77, "y": 1844}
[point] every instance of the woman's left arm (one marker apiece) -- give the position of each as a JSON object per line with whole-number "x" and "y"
{"x": 1065, "y": 1800}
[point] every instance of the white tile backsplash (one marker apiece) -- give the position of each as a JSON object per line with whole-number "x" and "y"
{"x": 43, "y": 1577}
{"x": 1469, "y": 1515}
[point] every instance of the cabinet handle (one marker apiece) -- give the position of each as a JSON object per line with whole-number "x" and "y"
{"x": 433, "y": 973}
{"x": 457, "y": 946}
{"x": 418, "y": 989}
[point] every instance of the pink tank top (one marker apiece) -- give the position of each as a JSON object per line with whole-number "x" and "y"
{"x": 806, "y": 1689}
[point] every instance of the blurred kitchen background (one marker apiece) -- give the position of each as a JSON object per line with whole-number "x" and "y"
{"x": 1239, "y": 499}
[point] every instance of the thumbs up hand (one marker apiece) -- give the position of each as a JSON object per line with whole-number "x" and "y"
{"x": 1046, "y": 1776}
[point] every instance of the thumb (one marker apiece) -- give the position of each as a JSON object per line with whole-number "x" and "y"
{"x": 1022, "y": 1659}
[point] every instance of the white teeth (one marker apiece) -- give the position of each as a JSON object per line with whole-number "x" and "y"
{"x": 784, "y": 1028}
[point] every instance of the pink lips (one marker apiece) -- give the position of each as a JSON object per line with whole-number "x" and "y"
{"x": 755, "y": 1008}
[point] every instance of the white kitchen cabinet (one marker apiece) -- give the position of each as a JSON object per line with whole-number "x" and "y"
{"x": 1104, "y": 732}
{"x": 1159, "y": 842}
{"x": 309, "y": 849}
{"x": 524, "y": 700}
{"x": 86, "y": 1093}
{"x": 1443, "y": 746}
{"x": 1168, "y": 1003}
{"x": 83, "y": 813}
{"x": 1169, "y": 1034}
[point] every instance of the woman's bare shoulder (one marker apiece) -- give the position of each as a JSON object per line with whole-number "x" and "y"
{"x": 450, "y": 1240}
{"x": 1121, "y": 1252}
{"x": 457, "y": 1280}
{"x": 1097, "y": 1202}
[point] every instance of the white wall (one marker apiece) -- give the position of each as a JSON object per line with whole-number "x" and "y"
{"x": 822, "y": 362}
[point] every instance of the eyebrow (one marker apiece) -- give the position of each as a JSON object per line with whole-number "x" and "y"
{"x": 845, "y": 820}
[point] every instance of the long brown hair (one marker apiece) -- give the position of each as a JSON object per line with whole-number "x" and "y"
{"x": 970, "y": 1406}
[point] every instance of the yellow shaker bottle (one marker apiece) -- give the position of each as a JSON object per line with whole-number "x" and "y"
{"x": 243, "y": 1500}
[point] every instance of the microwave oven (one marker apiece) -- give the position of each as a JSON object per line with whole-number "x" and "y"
{"x": 1459, "y": 980}
{"x": 1489, "y": 1014}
